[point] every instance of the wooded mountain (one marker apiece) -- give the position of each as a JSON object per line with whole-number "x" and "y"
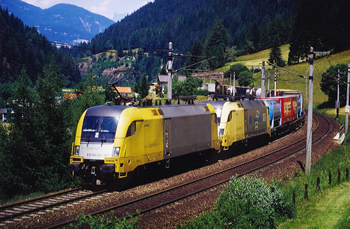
{"x": 183, "y": 22}
{"x": 63, "y": 23}
{"x": 23, "y": 48}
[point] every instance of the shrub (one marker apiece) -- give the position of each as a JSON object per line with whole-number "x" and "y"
{"x": 248, "y": 202}
{"x": 89, "y": 221}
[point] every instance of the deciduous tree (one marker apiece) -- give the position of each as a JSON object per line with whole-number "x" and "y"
{"x": 329, "y": 83}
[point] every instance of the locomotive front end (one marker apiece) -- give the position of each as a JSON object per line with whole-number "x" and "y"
{"x": 94, "y": 142}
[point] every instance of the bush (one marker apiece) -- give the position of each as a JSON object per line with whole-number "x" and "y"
{"x": 84, "y": 221}
{"x": 248, "y": 202}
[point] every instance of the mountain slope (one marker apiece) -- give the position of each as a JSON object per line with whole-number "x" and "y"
{"x": 183, "y": 22}
{"x": 23, "y": 48}
{"x": 64, "y": 23}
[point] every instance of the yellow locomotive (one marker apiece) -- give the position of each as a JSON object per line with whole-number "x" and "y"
{"x": 115, "y": 140}
{"x": 238, "y": 121}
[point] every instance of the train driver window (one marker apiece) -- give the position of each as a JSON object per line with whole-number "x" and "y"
{"x": 131, "y": 130}
{"x": 229, "y": 118}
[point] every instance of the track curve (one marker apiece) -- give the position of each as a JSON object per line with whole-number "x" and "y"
{"x": 130, "y": 200}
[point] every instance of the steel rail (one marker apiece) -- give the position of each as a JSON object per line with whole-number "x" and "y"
{"x": 38, "y": 204}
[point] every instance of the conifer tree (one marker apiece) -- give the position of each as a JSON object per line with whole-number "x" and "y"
{"x": 216, "y": 44}
{"x": 144, "y": 87}
{"x": 36, "y": 149}
{"x": 276, "y": 56}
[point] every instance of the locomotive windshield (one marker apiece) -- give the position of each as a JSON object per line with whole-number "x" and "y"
{"x": 99, "y": 128}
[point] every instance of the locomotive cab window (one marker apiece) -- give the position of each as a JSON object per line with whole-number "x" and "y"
{"x": 132, "y": 129}
{"x": 229, "y": 118}
{"x": 95, "y": 128}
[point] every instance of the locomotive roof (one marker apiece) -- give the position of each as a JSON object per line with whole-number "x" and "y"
{"x": 106, "y": 110}
{"x": 188, "y": 110}
{"x": 216, "y": 104}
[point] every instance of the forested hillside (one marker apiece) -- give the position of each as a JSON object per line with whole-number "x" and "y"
{"x": 35, "y": 142}
{"x": 321, "y": 24}
{"x": 22, "y": 47}
{"x": 183, "y": 22}
{"x": 251, "y": 26}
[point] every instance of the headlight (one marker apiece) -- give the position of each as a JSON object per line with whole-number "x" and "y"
{"x": 116, "y": 151}
{"x": 77, "y": 149}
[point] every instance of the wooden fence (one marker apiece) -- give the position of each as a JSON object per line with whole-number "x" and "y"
{"x": 318, "y": 181}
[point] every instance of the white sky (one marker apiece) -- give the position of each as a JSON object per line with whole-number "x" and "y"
{"x": 106, "y": 8}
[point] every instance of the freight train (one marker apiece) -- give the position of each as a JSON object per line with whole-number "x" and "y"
{"x": 113, "y": 141}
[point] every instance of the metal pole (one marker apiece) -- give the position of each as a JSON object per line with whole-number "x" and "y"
{"x": 309, "y": 115}
{"x": 347, "y": 102}
{"x": 337, "y": 105}
{"x": 170, "y": 70}
{"x": 234, "y": 79}
{"x": 268, "y": 83}
{"x": 263, "y": 80}
{"x": 275, "y": 83}
{"x": 305, "y": 103}
{"x": 234, "y": 83}
{"x": 230, "y": 85}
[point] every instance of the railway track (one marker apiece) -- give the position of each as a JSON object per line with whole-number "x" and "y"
{"x": 30, "y": 207}
{"x": 156, "y": 200}
{"x": 182, "y": 191}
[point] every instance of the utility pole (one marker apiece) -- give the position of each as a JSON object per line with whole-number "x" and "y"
{"x": 234, "y": 79}
{"x": 309, "y": 115}
{"x": 268, "y": 82}
{"x": 305, "y": 103}
{"x": 337, "y": 102}
{"x": 263, "y": 80}
{"x": 275, "y": 83}
{"x": 309, "y": 112}
{"x": 231, "y": 85}
{"x": 234, "y": 83}
{"x": 170, "y": 71}
{"x": 347, "y": 102}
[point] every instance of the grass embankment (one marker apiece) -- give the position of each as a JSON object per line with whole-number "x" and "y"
{"x": 330, "y": 206}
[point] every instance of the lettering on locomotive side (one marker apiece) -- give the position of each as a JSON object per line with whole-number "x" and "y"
{"x": 152, "y": 145}
{"x": 97, "y": 155}
{"x": 146, "y": 125}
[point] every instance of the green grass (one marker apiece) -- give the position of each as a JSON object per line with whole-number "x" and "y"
{"x": 19, "y": 197}
{"x": 255, "y": 59}
{"x": 329, "y": 207}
